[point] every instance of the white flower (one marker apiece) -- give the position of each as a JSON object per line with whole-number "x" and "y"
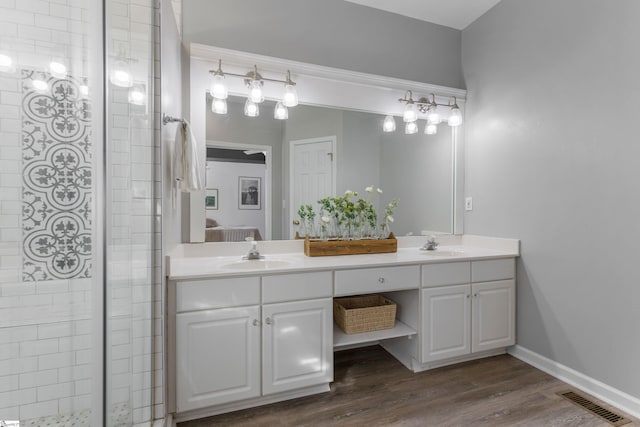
{"x": 348, "y": 193}
{"x": 326, "y": 219}
{"x": 390, "y": 205}
{"x": 389, "y": 218}
{"x": 369, "y": 189}
{"x": 379, "y": 191}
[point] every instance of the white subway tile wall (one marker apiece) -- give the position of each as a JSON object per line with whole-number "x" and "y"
{"x": 46, "y": 326}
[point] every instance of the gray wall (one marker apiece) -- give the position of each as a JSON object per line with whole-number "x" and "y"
{"x": 553, "y": 159}
{"x": 334, "y": 33}
{"x": 171, "y": 94}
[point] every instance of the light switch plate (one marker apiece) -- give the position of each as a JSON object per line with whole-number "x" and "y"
{"x": 468, "y": 204}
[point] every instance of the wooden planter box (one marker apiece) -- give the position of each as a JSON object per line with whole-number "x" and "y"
{"x": 350, "y": 247}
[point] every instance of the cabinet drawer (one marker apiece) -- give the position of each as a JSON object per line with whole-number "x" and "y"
{"x": 217, "y": 293}
{"x": 449, "y": 273}
{"x": 495, "y": 269}
{"x": 369, "y": 280}
{"x": 292, "y": 287}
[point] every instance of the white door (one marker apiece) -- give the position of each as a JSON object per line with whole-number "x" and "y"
{"x": 493, "y": 313}
{"x": 312, "y": 174}
{"x": 446, "y": 322}
{"x": 217, "y": 356}
{"x": 297, "y": 345}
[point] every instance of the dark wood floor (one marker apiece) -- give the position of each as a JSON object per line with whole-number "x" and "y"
{"x": 371, "y": 388}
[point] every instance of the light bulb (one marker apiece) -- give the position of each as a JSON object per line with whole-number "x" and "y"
{"x": 40, "y": 85}
{"x": 430, "y": 129}
{"x": 251, "y": 108}
{"x": 58, "y": 69}
{"x": 389, "y": 124}
{"x": 455, "y": 119}
{"x": 218, "y": 89}
{"x": 280, "y": 112}
{"x": 255, "y": 91}
{"x": 290, "y": 98}
{"x": 433, "y": 116}
{"x": 411, "y": 128}
{"x": 84, "y": 91}
{"x": 120, "y": 74}
{"x": 410, "y": 113}
{"x": 219, "y": 106}
{"x": 6, "y": 64}
{"x": 137, "y": 94}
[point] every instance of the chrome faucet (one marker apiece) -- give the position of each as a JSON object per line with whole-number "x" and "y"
{"x": 253, "y": 252}
{"x": 431, "y": 244}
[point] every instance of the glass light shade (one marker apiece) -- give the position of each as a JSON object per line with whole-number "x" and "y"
{"x": 218, "y": 89}
{"x": 411, "y": 128}
{"x": 84, "y": 91}
{"x": 455, "y": 119}
{"x": 6, "y": 64}
{"x": 219, "y": 106}
{"x": 137, "y": 94}
{"x": 389, "y": 124}
{"x": 431, "y": 129}
{"x": 255, "y": 91}
{"x": 251, "y": 108}
{"x": 58, "y": 69}
{"x": 121, "y": 74}
{"x": 290, "y": 98}
{"x": 40, "y": 85}
{"x": 410, "y": 113}
{"x": 280, "y": 112}
{"x": 433, "y": 116}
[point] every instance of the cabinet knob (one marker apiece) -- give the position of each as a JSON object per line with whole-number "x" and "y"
{"x": 268, "y": 321}
{"x": 256, "y": 322}
{"x": 468, "y": 296}
{"x": 381, "y": 279}
{"x": 475, "y": 295}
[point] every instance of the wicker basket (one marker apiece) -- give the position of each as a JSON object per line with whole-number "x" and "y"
{"x": 364, "y": 313}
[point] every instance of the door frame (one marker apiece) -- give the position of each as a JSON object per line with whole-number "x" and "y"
{"x": 334, "y": 172}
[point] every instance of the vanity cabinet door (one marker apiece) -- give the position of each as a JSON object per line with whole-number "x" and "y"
{"x": 493, "y": 312}
{"x": 446, "y": 322}
{"x": 297, "y": 345}
{"x": 217, "y": 356}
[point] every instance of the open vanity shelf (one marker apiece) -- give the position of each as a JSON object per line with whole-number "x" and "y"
{"x": 341, "y": 340}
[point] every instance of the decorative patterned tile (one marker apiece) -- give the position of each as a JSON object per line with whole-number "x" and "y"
{"x": 56, "y": 166}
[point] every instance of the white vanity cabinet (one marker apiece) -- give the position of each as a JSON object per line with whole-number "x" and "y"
{"x": 297, "y": 336}
{"x": 217, "y": 338}
{"x": 467, "y": 307}
{"x": 246, "y": 337}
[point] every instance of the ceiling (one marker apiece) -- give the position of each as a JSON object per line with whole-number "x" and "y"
{"x": 456, "y": 14}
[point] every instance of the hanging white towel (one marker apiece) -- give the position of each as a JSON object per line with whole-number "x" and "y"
{"x": 186, "y": 168}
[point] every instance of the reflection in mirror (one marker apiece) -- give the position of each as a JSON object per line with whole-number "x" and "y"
{"x": 417, "y": 169}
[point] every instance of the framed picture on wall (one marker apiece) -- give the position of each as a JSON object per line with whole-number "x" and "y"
{"x": 249, "y": 192}
{"x": 211, "y": 198}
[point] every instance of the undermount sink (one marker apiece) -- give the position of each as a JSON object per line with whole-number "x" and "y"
{"x": 438, "y": 252}
{"x": 250, "y": 264}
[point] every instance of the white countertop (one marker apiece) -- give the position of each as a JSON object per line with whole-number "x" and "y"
{"x": 193, "y": 261}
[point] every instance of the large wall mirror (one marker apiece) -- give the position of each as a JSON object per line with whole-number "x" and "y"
{"x": 261, "y": 155}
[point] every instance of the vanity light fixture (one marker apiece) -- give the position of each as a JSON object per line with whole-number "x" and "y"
{"x": 424, "y": 107}
{"x": 120, "y": 73}
{"x": 251, "y": 109}
{"x": 219, "y": 106}
{"x": 411, "y": 127}
{"x": 40, "y": 85}
{"x": 389, "y": 124}
{"x": 255, "y": 82}
{"x": 280, "y": 112}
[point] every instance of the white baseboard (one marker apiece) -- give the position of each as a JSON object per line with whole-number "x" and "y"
{"x": 621, "y": 400}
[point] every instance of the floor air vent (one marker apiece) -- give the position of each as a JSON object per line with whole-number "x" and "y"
{"x": 610, "y": 417}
